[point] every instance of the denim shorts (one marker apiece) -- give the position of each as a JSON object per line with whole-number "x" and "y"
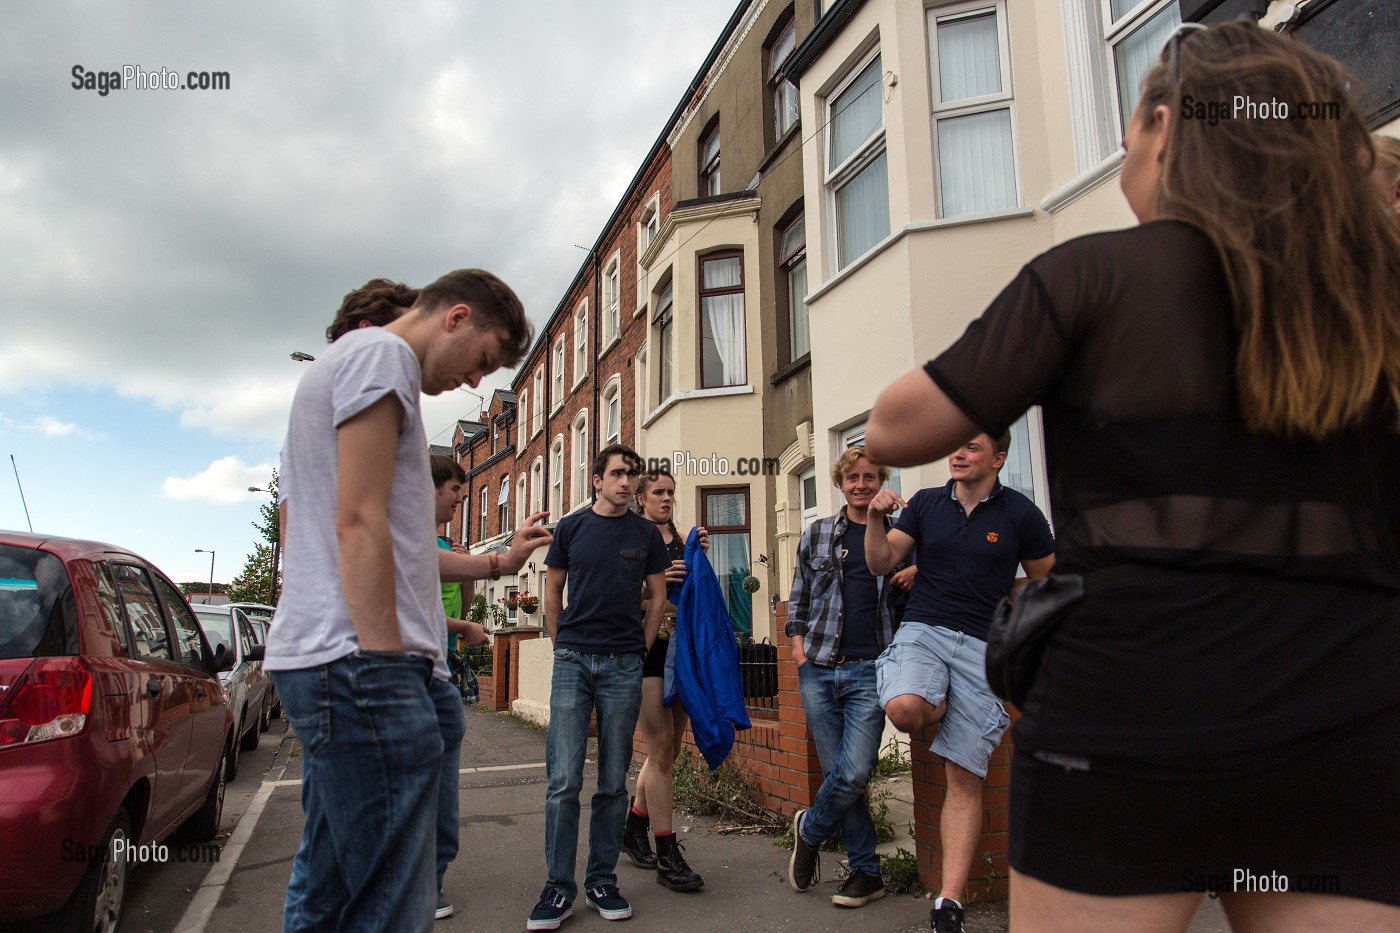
{"x": 936, "y": 663}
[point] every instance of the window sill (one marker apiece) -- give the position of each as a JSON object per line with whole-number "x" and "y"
{"x": 791, "y": 369}
{"x": 694, "y": 395}
{"x": 772, "y": 154}
{"x": 1066, "y": 195}
{"x": 611, "y": 342}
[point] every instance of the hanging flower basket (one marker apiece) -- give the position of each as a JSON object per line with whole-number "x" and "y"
{"x": 528, "y": 602}
{"x": 751, "y": 584}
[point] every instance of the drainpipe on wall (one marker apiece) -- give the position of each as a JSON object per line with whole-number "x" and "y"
{"x": 598, "y": 323}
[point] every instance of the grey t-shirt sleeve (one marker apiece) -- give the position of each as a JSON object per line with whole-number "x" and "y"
{"x": 369, "y": 373}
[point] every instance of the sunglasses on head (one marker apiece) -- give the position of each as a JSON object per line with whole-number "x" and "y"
{"x": 1173, "y": 42}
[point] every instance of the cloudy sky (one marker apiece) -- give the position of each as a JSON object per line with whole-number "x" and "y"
{"x": 162, "y": 252}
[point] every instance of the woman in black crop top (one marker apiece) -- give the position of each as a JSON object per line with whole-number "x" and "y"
{"x": 662, "y": 726}
{"x": 1220, "y": 389}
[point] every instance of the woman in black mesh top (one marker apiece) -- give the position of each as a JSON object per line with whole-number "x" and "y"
{"x": 1221, "y": 398}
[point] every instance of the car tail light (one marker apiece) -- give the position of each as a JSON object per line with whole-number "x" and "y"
{"x": 50, "y": 700}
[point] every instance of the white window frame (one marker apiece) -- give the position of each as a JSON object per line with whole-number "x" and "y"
{"x": 537, "y": 412}
{"x": 612, "y": 406}
{"x": 837, "y": 176}
{"x": 665, "y": 318}
{"x": 522, "y": 412}
{"x": 580, "y": 342}
{"x": 648, "y": 226}
{"x": 503, "y": 503}
{"x": 612, "y": 302}
{"x": 1005, "y": 99}
{"x": 556, "y": 477}
{"x": 709, "y": 170}
{"x": 1114, "y": 32}
{"x": 776, "y": 80}
{"x": 485, "y": 496}
{"x": 521, "y": 493}
{"x": 559, "y": 358}
{"x": 537, "y": 484}
{"x": 579, "y": 468}
{"x": 787, "y": 263}
{"x": 810, "y": 510}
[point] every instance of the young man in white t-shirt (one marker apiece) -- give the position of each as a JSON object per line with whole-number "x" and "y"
{"x": 359, "y": 630}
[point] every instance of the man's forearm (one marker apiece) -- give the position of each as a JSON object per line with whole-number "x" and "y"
{"x": 879, "y": 558}
{"x": 651, "y": 622}
{"x": 367, "y": 578}
{"x": 455, "y": 567}
{"x": 553, "y": 605}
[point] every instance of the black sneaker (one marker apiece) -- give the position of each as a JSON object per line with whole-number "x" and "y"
{"x": 552, "y": 910}
{"x": 671, "y": 868}
{"x": 804, "y": 867}
{"x": 636, "y": 841}
{"x": 444, "y": 909}
{"x": 858, "y": 890}
{"x": 947, "y": 919}
{"x": 609, "y": 902}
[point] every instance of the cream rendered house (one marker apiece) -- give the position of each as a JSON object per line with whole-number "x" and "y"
{"x": 958, "y": 140}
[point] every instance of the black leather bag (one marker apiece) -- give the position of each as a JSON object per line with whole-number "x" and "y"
{"x": 1019, "y": 631}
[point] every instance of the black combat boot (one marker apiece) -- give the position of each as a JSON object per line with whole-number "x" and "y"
{"x": 671, "y": 869}
{"x": 636, "y": 840}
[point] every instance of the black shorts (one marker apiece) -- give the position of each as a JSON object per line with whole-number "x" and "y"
{"x": 654, "y": 664}
{"x": 1324, "y": 820}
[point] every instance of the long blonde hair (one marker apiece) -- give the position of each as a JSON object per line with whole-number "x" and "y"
{"x": 1312, "y": 260}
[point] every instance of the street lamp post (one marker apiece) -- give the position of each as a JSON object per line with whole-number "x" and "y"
{"x": 272, "y": 582}
{"x": 211, "y": 553}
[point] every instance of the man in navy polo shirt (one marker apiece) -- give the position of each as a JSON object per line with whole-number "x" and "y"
{"x": 968, "y": 538}
{"x": 605, "y": 554}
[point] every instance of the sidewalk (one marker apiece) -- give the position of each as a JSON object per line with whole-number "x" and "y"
{"x": 498, "y": 875}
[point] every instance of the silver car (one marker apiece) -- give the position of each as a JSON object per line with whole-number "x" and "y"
{"x": 248, "y": 686}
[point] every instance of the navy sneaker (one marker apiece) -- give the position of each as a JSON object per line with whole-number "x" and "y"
{"x": 552, "y": 910}
{"x": 444, "y": 909}
{"x": 609, "y": 902}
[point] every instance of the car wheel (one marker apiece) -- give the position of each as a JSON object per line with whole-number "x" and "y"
{"x": 98, "y": 901}
{"x": 251, "y": 737}
{"x": 203, "y": 824}
{"x": 231, "y": 759}
{"x": 277, "y": 708}
{"x": 265, "y": 720}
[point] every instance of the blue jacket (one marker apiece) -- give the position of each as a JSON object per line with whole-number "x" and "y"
{"x": 704, "y": 658}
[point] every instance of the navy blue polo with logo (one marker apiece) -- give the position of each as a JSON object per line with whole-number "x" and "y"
{"x": 967, "y": 562}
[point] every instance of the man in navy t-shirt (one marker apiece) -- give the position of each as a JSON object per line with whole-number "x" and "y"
{"x": 968, "y": 538}
{"x": 605, "y": 554}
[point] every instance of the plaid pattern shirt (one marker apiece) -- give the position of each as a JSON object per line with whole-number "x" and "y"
{"x": 815, "y": 606}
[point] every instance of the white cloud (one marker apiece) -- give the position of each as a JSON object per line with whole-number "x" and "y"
{"x": 225, "y": 480}
{"x": 52, "y": 427}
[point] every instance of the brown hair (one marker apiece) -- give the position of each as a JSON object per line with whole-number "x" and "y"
{"x": 1001, "y": 443}
{"x": 644, "y": 483}
{"x": 495, "y": 307}
{"x": 843, "y": 465}
{"x": 377, "y": 302}
{"x": 1387, "y": 170}
{"x": 1308, "y": 252}
{"x": 444, "y": 469}
{"x": 628, "y": 455}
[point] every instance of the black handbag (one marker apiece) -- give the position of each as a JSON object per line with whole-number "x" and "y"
{"x": 1020, "y": 629}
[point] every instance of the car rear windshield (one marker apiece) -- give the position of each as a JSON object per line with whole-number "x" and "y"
{"x": 37, "y": 616}
{"x": 218, "y": 628}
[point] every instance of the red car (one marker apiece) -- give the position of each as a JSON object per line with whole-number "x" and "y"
{"x": 113, "y": 726}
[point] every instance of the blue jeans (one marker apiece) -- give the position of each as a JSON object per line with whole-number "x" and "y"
{"x": 611, "y": 683}
{"x": 452, "y": 723}
{"x": 370, "y": 776}
{"x": 846, "y": 720}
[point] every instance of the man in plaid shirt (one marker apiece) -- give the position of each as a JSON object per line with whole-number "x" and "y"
{"x": 840, "y": 617}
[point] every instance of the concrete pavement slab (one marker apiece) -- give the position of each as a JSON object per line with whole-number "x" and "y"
{"x": 498, "y": 875}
